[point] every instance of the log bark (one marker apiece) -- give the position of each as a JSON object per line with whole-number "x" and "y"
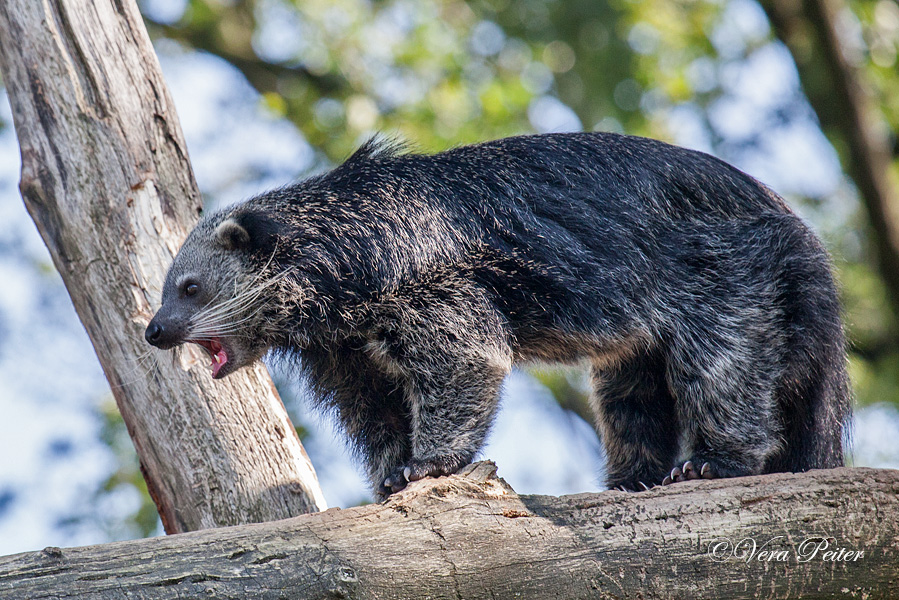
{"x": 106, "y": 177}
{"x": 470, "y": 536}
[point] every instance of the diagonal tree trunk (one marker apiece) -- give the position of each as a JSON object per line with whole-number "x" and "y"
{"x": 470, "y": 536}
{"x": 106, "y": 178}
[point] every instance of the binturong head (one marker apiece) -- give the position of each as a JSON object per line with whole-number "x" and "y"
{"x": 219, "y": 292}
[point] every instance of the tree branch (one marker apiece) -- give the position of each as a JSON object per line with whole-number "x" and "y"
{"x": 470, "y": 536}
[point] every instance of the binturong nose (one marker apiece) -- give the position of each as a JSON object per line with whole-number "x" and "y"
{"x": 153, "y": 333}
{"x": 161, "y": 334}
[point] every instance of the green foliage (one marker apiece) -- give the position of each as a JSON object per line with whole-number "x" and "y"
{"x": 570, "y": 388}
{"x": 874, "y": 45}
{"x": 438, "y": 73}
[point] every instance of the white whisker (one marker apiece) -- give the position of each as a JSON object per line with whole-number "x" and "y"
{"x": 231, "y": 316}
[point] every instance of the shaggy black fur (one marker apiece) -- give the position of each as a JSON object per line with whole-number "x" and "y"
{"x": 409, "y": 284}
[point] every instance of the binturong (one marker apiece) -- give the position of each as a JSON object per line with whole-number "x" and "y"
{"x": 405, "y": 286}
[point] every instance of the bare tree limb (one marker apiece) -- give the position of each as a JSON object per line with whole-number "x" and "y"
{"x": 470, "y": 536}
{"x": 106, "y": 178}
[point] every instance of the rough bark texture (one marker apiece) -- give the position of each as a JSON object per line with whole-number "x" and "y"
{"x": 106, "y": 177}
{"x": 471, "y": 536}
{"x": 837, "y": 91}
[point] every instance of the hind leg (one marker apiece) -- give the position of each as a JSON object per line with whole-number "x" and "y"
{"x": 724, "y": 400}
{"x": 636, "y": 420}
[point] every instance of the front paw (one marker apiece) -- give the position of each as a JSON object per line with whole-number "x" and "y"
{"x": 415, "y": 469}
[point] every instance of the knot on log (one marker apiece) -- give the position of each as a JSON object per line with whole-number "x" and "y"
{"x": 477, "y": 480}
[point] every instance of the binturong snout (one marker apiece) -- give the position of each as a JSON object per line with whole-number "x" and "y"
{"x": 163, "y": 333}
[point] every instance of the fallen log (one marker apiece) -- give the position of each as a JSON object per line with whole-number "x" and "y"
{"x": 822, "y": 534}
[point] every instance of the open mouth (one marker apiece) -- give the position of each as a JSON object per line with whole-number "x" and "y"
{"x": 217, "y": 352}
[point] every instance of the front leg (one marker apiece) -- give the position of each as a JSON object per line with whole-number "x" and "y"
{"x": 450, "y": 346}
{"x": 369, "y": 404}
{"x": 452, "y": 410}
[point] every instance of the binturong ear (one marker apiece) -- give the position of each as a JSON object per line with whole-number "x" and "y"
{"x": 231, "y": 235}
{"x": 246, "y": 231}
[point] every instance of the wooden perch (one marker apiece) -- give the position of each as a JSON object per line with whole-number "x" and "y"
{"x": 822, "y": 534}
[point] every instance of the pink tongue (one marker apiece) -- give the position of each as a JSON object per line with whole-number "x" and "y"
{"x": 218, "y": 361}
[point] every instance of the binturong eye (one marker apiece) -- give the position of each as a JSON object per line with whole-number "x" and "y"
{"x": 191, "y": 289}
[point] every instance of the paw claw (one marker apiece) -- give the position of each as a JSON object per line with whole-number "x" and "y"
{"x": 416, "y": 469}
{"x": 644, "y": 486}
{"x": 667, "y": 480}
{"x": 689, "y": 470}
{"x": 707, "y": 472}
{"x": 393, "y": 483}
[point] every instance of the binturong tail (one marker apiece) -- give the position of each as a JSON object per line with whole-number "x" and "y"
{"x": 816, "y": 413}
{"x": 814, "y": 395}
